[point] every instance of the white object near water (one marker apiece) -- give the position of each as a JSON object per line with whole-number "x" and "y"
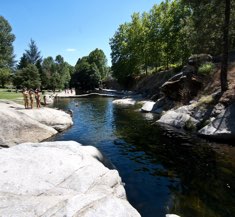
{"x": 172, "y": 215}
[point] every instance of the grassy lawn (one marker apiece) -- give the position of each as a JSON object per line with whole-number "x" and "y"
{"x": 10, "y": 95}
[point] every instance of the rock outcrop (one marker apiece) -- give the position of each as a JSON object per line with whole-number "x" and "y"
{"x": 222, "y": 127}
{"x": 57, "y": 119}
{"x": 183, "y": 86}
{"x": 148, "y": 106}
{"x": 178, "y": 118}
{"x": 20, "y": 125}
{"x": 149, "y": 86}
{"x": 59, "y": 179}
{"x": 199, "y": 59}
{"x": 161, "y": 105}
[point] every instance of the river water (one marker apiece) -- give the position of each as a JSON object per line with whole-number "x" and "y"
{"x": 163, "y": 172}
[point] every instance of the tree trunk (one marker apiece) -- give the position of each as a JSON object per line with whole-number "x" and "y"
{"x": 224, "y": 64}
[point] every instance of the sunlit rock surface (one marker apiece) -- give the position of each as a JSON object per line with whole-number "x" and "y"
{"x": 124, "y": 102}
{"x": 172, "y": 215}
{"x": 59, "y": 179}
{"x": 20, "y": 125}
{"x": 177, "y": 119}
{"x": 57, "y": 119}
{"x": 222, "y": 127}
{"x": 148, "y": 106}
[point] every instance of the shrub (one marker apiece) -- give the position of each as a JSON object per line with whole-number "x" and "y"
{"x": 206, "y": 68}
{"x": 205, "y": 100}
{"x": 190, "y": 125}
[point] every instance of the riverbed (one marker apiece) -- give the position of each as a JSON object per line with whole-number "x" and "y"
{"x": 163, "y": 172}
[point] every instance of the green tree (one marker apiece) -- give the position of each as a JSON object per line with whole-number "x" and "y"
{"x": 99, "y": 59}
{"x": 150, "y": 40}
{"x": 27, "y": 77}
{"x": 80, "y": 63}
{"x": 5, "y": 74}
{"x": 154, "y": 38}
{"x": 137, "y": 44}
{"x": 55, "y": 81}
{"x": 56, "y": 74}
{"x": 90, "y": 70}
{"x": 86, "y": 75}
{"x": 48, "y": 68}
{"x": 211, "y": 33}
{"x": 168, "y": 33}
{"x": 207, "y": 22}
{"x": 63, "y": 70}
{"x": 6, "y": 51}
{"x": 23, "y": 62}
{"x": 6, "y": 44}
{"x": 33, "y": 55}
{"x": 123, "y": 65}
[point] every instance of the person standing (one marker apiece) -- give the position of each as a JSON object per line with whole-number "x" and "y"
{"x": 31, "y": 96}
{"x": 38, "y": 98}
{"x": 26, "y": 97}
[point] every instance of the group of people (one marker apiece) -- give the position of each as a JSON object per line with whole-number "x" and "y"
{"x": 29, "y": 96}
{"x": 69, "y": 91}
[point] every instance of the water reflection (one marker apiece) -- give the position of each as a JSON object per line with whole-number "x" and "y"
{"x": 163, "y": 172}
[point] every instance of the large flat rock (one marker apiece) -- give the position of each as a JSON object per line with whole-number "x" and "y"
{"x": 222, "y": 127}
{"x": 59, "y": 179}
{"x": 20, "y": 125}
{"x": 57, "y": 119}
{"x": 176, "y": 119}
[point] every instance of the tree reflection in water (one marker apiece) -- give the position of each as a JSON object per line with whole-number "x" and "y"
{"x": 207, "y": 178}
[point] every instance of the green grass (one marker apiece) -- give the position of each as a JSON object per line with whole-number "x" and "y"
{"x": 204, "y": 101}
{"x": 10, "y": 94}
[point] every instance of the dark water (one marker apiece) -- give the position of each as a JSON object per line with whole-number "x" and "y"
{"x": 162, "y": 172}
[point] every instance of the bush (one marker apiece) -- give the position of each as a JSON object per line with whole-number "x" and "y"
{"x": 189, "y": 125}
{"x": 204, "y": 101}
{"x": 206, "y": 68}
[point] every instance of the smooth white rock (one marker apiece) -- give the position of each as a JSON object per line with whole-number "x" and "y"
{"x": 176, "y": 119}
{"x": 57, "y": 119}
{"x": 124, "y": 102}
{"x": 148, "y": 106}
{"x": 172, "y": 215}
{"x": 20, "y": 125}
{"x": 59, "y": 179}
{"x": 223, "y": 126}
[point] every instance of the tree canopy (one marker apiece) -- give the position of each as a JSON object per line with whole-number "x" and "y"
{"x": 6, "y": 50}
{"x": 98, "y": 58}
{"x": 168, "y": 34}
{"x": 33, "y": 56}
{"x": 90, "y": 70}
{"x": 87, "y": 76}
{"x": 56, "y": 74}
{"x": 28, "y": 77}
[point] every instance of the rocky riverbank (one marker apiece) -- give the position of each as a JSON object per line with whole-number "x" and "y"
{"x": 19, "y": 125}
{"x": 213, "y": 122}
{"x": 189, "y": 100}
{"x": 53, "y": 178}
{"x": 59, "y": 179}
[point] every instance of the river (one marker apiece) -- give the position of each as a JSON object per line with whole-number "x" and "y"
{"x": 162, "y": 172}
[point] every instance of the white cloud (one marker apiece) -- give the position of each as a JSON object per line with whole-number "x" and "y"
{"x": 70, "y": 49}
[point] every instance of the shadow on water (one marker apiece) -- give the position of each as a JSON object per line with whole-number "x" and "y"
{"x": 163, "y": 171}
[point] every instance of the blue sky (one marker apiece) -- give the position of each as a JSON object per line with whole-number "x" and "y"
{"x": 71, "y": 28}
